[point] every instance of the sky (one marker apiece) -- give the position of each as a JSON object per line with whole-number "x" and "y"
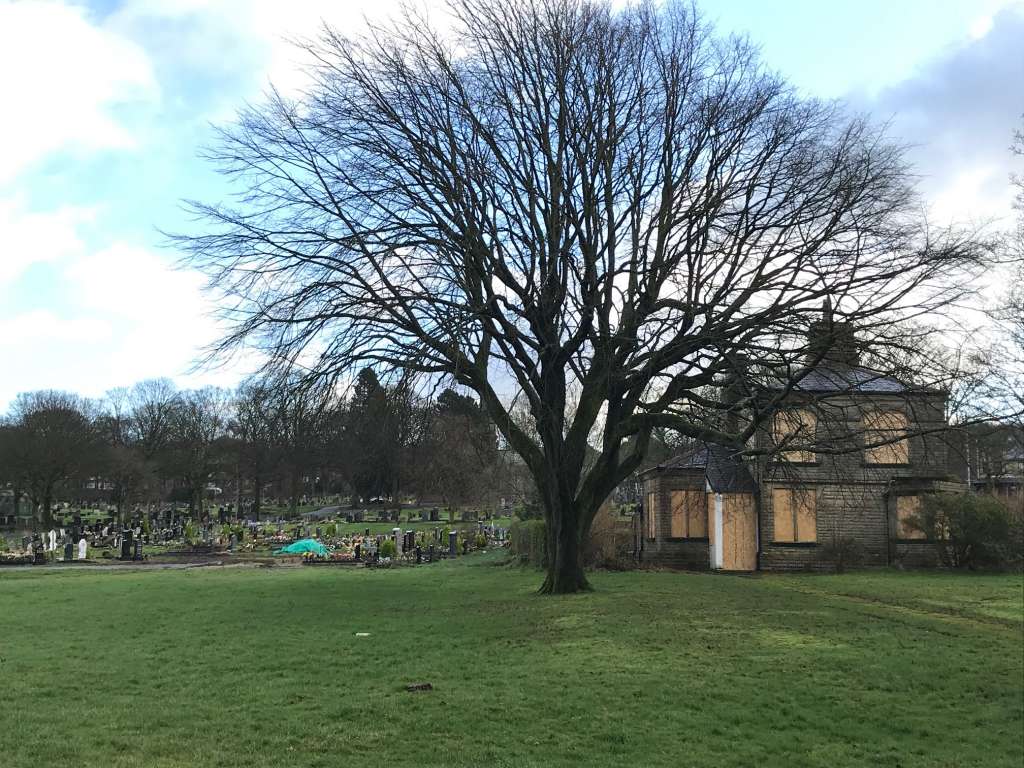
{"x": 108, "y": 104}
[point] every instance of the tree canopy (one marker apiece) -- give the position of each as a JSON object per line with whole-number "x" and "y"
{"x": 598, "y": 212}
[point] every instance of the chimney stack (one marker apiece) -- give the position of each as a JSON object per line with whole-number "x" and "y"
{"x": 831, "y": 341}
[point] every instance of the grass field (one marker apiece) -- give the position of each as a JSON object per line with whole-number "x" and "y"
{"x": 262, "y": 667}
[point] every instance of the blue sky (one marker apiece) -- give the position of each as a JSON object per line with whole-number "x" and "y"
{"x": 108, "y": 103}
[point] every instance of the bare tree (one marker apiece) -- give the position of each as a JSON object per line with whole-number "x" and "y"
{"x": 302, "y": 412}
{"x": 52, "y": 439}
{"x": 256, "y": 431}
{"x": 198, "y": 422}
{"x": 595, "y": 210}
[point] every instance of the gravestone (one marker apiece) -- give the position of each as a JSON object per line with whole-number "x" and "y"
{"x": 83, "y": 549}
{"x": 396, "y": 534}
{"x": 453, "y": 537}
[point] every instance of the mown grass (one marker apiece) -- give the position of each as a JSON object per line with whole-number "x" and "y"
{"x": 262, "y": 667}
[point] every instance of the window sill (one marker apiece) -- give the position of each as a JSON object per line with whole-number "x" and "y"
{"x": 688, "y": 538}
{"x": 794, "y": 544}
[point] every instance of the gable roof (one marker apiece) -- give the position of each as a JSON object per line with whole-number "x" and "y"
{"x": 722, "y": 466}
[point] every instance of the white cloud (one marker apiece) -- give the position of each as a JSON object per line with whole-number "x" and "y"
{"x": 42, "y": 326}
{"x": 37, "y": 237}
{"x": 267, "y": 27}
{"x": 126, "y": 314}
{"x": 61, "y": 77}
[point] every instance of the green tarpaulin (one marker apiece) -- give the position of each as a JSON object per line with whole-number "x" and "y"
{"x": 304, "y": 545}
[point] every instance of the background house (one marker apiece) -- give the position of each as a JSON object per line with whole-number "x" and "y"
{"x": 841, "y": 468}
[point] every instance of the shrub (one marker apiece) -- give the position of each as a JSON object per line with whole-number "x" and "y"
{"x": 480, "y": 541}
{"x": 388, "y": 548}
{"x": 842, "y": 552}
{"x": 971, "y": 531}
{"x": 609, "y": 543}
{"x": 529, "y": 542}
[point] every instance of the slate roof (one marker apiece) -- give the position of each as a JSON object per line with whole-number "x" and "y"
{"x": 724, "y": 470}
{"x": 834, "y": 377}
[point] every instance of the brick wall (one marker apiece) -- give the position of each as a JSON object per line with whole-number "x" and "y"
{"x": 664, "y": 551}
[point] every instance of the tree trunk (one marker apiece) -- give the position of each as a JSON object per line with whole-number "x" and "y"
{"x": 565, "y": 562}
{"x": 47, "y": 515}
{"x": 293, "y": 491}
{"x": 257, "y": 496}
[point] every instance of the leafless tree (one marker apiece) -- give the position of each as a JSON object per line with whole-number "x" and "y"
{"x": 198, "y": 423}
{"x": 51, "y": 440}
{"x": 255, "y": 429}
{"x": 566, "y": 203}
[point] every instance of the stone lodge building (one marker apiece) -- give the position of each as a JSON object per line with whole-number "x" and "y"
{"x": 842, "y": 466}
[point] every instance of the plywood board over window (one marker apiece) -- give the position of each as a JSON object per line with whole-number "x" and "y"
{"x": 689, "y": 514}
{"x": 795, "y": 427}
{"x": 795, "y": 515}
{"x": 885, "y": 438}
{"x": 908, "y": 508}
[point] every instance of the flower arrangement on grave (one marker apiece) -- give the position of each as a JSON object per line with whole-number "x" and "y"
{"x": 15, "y": 558}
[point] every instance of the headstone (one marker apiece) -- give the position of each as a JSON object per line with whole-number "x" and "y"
{"x": 419, "y": 555}
{"x": 69, "y": 551}
{"x": 357, "y": 551}
{"x": 453, "y": 537}
{"x": 83, "y": 549}
{"x": 396, "y": 534}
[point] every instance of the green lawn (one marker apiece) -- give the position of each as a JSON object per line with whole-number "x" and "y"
{"x": 262, "y": 667}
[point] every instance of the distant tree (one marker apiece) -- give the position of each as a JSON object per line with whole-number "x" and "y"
{"x": 597, "y": 210}
{"x": 369, "y": 443}
{"x": 302, "y": 417}
{"x": 123, "y": 463}
{"x": 255, "y": 430}
{"x": 51, "y": 440}
{"x": 194, "y": 452}
{"x": 460, "y": 452}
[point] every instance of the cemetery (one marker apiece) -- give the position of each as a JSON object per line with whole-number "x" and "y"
{"x": 330, "y": 535}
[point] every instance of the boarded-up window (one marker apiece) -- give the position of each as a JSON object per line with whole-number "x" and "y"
{"x": 652, "y": 512}
{"x": 885, "y": 438}
{"x": 793, "y": 430}
{"x": 689, "y": 514}
{"x": 795, "y": 514}
{"x": 907, "y": 509}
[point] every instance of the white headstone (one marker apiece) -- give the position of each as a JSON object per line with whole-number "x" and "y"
{"x": 83, "y": 549}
